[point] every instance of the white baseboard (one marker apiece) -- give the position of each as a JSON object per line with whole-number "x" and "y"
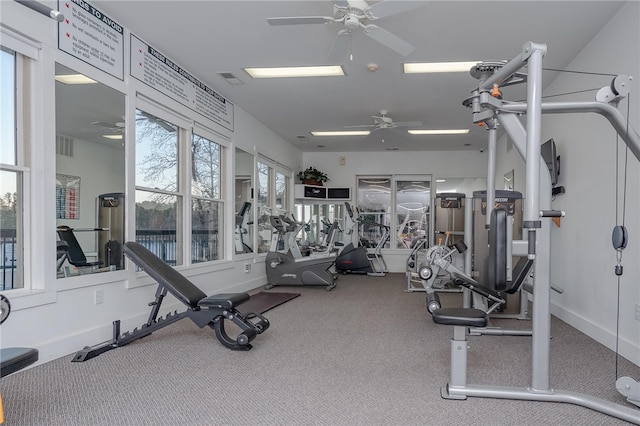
{"x": 627, "y": 349}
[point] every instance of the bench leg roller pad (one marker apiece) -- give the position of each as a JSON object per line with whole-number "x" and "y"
{"x": 249, "y": 329}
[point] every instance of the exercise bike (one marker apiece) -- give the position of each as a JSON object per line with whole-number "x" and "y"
{"x": 285, "y": 264}
{"x": 357, "y": 259}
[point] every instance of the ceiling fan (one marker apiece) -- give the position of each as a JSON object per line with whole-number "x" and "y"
{"x": 355, "y": 14}
{"x": 117, "y": 127}
{"x": 384, "y": 122}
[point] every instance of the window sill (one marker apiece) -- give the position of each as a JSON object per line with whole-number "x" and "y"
{"x": 142, "y": 279}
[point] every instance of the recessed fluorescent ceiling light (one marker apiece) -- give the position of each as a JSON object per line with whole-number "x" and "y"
{"x": 343, "y": 133}
{"x": 428, "y": 67}
{"x": 112, "y": 136}
{"x": 439, "y": 132}
{"x": 279, "y": 72}
{"x": 74, "y": 79}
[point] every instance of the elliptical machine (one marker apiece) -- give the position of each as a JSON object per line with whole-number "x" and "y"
{"x": 357, "y": 259}
{"x": 285, "y": 264}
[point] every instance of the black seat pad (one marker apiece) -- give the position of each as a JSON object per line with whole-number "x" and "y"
{"x": 223, "y": 300}
{"x": 460, "y": 316}
{"x": 15, "y": 359}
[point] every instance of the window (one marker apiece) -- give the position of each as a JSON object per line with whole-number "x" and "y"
{"x": 282, "y": 183}
{"x": 207, "y": 209}
{"x": 272, "y": 198}
{"x": 408, "y": 215}
{"x": 12, "y": 173}
{"x": 374, "y": 204}
{"x": 413, "y": 198}
{"x": 158, "y": 202}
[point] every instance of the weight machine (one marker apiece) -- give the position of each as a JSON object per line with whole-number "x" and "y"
{"x": 489, "y": 109}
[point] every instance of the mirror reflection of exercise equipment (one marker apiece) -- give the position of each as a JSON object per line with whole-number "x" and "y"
{"x": 355, "y": 258}
{"x": 243, "y": 221}
{"x": 111, "y": 219}
{"x": 71, "y": 257}
{"x": 90, "y": 160}
{"x": 74, "y": 255}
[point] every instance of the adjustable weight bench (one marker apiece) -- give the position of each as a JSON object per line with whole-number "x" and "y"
{"x": 203, "y": 310}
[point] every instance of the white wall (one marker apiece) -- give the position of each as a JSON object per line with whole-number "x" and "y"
{"x": 59, "y": 316}
{"x": 583, "y": 260}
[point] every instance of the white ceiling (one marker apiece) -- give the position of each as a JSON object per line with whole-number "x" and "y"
{"x": 210, "y": 37}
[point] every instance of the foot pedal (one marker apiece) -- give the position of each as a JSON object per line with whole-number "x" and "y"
{"x": 629, "y": 388}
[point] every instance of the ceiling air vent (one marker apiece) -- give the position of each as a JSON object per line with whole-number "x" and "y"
{"x": 64, "y": 145}
{"x": 230, "y": 78}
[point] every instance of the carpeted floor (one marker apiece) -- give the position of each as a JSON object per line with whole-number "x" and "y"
{"x": 264, "y": 301}
{"x": 365, "y": 353}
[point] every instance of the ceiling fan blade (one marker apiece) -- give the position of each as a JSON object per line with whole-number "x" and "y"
{"x": 340, "y": 48}
{"x": 356, "y": 4}
{"x": 361, "y": 126}
{"x": 388, "y": 39}
{"x": 297, "y": 20}
{"x": 103, "y": 124}
{"x": 390, "y": 7}
{"x": 408, "y": 123}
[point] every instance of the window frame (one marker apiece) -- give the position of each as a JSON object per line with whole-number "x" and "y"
{"x": 22, "y": 82}
{"x": 392, "y": 214}
{"x": 224, "y": 152}
{"x": 187, "y": 128}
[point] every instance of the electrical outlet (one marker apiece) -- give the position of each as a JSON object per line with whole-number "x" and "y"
{"x": 638, "y": 311}
{"x": 247, "y": 267}
{"x": 98, "y": 297}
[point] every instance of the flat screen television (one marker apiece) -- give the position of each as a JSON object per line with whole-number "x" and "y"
{"x": 548, "y": 152}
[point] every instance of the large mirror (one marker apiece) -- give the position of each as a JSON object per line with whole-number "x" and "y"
{"x": 244, "y": 203}
{"x": 90, "y": 175}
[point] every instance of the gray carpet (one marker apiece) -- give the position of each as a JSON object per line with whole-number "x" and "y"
{"x": 265, "y": 301}
{"x": 364, "y": 353}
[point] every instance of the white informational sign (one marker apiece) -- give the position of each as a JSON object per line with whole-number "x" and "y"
{"x": 156, "y": 70}
{"x": 90, "y": 35}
